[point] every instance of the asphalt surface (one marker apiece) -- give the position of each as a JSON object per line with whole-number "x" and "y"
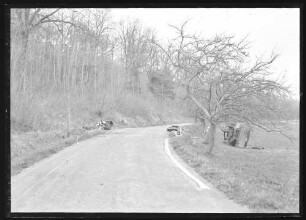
{"x": 126, "y": 170}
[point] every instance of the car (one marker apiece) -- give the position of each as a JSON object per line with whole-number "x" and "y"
{"x": 106, "y": 125}
{"x": 176, "y": 128}
{"x": 173, "y": 128}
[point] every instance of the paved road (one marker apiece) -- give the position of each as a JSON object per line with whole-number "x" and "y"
{"x": 127, "y": 170}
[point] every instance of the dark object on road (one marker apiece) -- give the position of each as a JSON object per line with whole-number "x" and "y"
{"x": 176, "y": 128}
{"x": 106, "y": 125}
{"x": 173, "y": 128}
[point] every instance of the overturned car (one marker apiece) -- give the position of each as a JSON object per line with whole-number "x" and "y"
{"x": 105, "y": 125}
{"x": 236, "y": 134}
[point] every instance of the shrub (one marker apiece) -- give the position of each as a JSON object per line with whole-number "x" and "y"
{"x": 133, "y": 106}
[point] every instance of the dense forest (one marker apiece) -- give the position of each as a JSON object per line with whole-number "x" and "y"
{"x": 70, "y": 68}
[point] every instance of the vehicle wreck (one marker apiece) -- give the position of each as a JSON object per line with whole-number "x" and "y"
{"x": 105, "y": 125}
{"x": 236, "y": 134}
{"x": 177, "y": 129}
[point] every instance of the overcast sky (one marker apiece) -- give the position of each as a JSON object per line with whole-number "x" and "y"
{"x": 267, "y": 29}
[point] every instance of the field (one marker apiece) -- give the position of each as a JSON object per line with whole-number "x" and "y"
{"x": 266, "y": 180}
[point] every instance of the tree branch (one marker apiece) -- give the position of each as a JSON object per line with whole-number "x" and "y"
{"x": 44, "y": 18}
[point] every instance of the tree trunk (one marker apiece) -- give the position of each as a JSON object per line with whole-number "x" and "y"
{"x": 95, "y": 70}
{"x": 126, "y": 78}
{"x": 203, "y": 124}
{"x": 212, "y": 134}
{"x": 24, "y": 47}
{"x": 21, "y": 71}
{"x": 206, "y": 130}
{"x": 69, "y": 115}
{"x": 82, "y": 76}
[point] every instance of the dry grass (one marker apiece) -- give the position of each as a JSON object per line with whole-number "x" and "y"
{"x": 265, "y": 180}
{"x": 31, "y": 147}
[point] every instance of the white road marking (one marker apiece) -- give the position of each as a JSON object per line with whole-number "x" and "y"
{"x": 183, "y": 169}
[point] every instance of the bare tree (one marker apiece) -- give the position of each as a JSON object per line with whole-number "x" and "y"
{"x": 28, "y": 20}
{"x": 135, "y": 44}
{"x": 219, "y": 79}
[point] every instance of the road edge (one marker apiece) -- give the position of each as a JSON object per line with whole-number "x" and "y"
{"x": 183, "y": 168}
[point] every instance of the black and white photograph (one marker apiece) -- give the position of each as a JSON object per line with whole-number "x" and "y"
{"x": 154, "y": 110}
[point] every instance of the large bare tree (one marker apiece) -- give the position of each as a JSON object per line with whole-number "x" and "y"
{"x": 224, "y": 84}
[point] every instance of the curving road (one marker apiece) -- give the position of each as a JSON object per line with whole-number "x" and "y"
{"x": 126, "y": 170}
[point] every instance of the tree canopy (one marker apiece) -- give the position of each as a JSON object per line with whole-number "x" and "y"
{"x": 220, "y": 79}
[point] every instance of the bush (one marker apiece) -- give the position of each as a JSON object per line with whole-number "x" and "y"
{"x": 28, "y": 113}
{"x": 132, "y": 106}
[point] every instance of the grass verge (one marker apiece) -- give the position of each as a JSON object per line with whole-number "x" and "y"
{"x": 31, "y": 147}
{"x": 267, "y": 180}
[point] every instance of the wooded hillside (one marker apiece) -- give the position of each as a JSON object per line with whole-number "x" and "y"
{"x": 70, "y": 67}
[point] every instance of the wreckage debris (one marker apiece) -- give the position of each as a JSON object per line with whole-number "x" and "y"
{"x": 106, "y": 125}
